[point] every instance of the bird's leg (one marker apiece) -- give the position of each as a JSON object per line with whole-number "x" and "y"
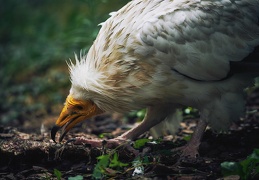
{"x": 191, "y": 148}
{"x": 154, "y": 115}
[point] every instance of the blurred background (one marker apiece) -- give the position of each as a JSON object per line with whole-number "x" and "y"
{"x": 37, "y": 37}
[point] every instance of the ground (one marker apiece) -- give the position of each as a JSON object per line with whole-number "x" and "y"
{"x": 33, "y": 155}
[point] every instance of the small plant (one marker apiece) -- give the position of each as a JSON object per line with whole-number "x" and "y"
{"x": 104, "y": 163}
{"x": 58, "y": 174}
{"x": 99, "y": 170}
{"x": 115, "y": 163}
{"x": 110, "y": 165}
{"x": 245, "y": 169}
{"x": 140, "y": 143}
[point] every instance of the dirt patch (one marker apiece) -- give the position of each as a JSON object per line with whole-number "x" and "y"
{"x": 35, "y": 156}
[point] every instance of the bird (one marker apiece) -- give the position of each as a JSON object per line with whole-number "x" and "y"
{"x": 165, "y": 54}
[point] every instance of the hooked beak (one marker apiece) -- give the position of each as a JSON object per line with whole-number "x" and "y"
{"x": 54, "y": 131}
{"x": 74, "y": 111}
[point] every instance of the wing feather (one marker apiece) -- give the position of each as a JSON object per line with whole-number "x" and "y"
{"x": 200, "y": 40}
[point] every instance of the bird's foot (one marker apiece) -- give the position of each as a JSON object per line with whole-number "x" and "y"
{"x": 188, "y": 151}
{"x": 110, "y": 144}
{"x": 189, "y": 155}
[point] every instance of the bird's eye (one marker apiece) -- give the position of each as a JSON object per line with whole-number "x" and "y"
{"x": 78, "y": 107}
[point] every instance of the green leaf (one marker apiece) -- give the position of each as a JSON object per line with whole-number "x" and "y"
{"x": 99, "y": 169}
{"x": 58, "y": 174}
{"x": 187, "y": 138}
{"x": 250, "y": 163}
{"x": 145, "y": 160}
{"x": 255, "y": 154}
{"x": 140, "y": 143}
{"x": 101, "y": 135}
{"x": 116, "y": 163}
{"x": 78, "y": 177}
{"x": 231, "y": 168}
{"x": 245, "y": 169}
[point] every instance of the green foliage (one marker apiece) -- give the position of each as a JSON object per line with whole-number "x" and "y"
{"x": 103, "y": 135}
{"x": 58, "y": 174}
{"x": 115, "y": 163}
{"x": 187, "y": 138}
{"x": 78, "y": 177}
{"x": 245, "y": 169}
{"x": 140, "y": 143}
{"x": 105, "y": 161}
{"x": 99, "y": 170}
{"x": 140, "y": 114}
{"x": 36, "y": 37}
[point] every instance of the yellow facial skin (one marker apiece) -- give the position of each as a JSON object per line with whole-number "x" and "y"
{"x": 74, "y": 112}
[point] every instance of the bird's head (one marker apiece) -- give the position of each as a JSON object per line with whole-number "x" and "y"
{"x": 80, "y": 103}
{"x": 73, "y": 112}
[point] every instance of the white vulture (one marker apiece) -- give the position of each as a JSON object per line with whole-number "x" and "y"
{"x": 165, "y": 54}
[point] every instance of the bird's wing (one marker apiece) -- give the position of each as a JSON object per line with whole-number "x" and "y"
{"x": 200, "y": 42}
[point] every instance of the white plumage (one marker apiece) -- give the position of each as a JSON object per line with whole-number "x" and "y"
{"x": 164, "y": 54}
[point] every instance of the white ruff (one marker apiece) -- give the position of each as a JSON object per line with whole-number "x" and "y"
{"x": 85, "y": 74}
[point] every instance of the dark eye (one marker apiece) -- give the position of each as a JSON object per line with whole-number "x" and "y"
{"x": 78, "y": 107}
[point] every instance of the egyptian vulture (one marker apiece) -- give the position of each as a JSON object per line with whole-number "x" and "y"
{"x": 165, "y": 54}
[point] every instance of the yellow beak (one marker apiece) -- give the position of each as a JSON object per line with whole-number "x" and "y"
{"x": 74, "y": 111}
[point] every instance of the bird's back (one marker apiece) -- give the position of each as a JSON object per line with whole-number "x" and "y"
{"x": 194, "y": 38}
